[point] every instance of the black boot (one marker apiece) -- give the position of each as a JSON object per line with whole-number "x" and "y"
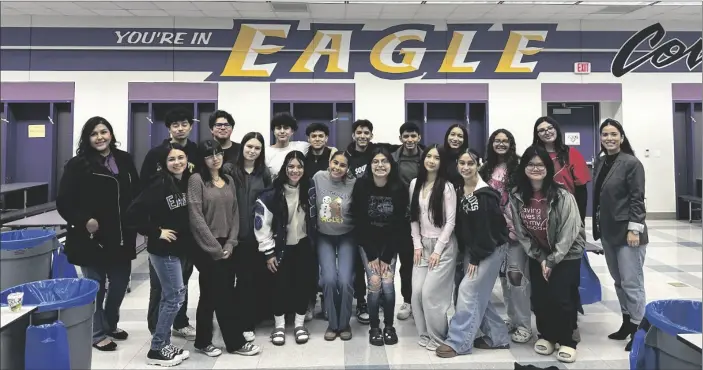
{"x": 624, "y": 330}
{"x": 633, "y": 329}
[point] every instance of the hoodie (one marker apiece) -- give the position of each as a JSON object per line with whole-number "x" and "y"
{"x": 480, "y": 224}
{"x": 408, "y": 165}
{"x": 151, "y": 166}
{"x": 161, "y": 206}
{"x": 358, "y": 160}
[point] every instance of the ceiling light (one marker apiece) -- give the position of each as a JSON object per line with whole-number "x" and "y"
{"x": 677, "y": 3}
{"x": 540, "y": 3}
{"x": 618, "y": 3}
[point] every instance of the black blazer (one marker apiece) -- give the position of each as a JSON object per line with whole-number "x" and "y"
{"x": 88, "y": 190}
{"x": 621, "y": 201}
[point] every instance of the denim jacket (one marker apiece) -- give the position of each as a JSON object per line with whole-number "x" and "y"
{"x": 272, "y": 235}
{"x": 565, "y": 231}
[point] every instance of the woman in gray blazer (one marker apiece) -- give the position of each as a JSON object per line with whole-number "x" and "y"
{"x": 619, "y": 223}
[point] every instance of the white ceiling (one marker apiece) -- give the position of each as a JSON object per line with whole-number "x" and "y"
{"x": 450, "y": 10}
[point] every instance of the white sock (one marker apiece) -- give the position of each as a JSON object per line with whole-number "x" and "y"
{"x": 280, "y": 321}
{"x": 299, "y": 320}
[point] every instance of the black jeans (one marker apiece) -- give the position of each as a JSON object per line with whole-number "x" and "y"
{"x": 553, "y": 301}
{"x": 152, "y": 316}
{"x": 359, "y": 279}
{"x": 293, "y": 279}
{"x": 217, "y": 295}
{"x": 250, "y": 267}
{"x": 405, "y": 255}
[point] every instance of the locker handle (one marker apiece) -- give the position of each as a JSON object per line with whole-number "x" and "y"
{"x": 50, "y": 120}
{"x": 149, "y": 119}
{"x": 4, "y": 120}
{"x": 425, "y": 119}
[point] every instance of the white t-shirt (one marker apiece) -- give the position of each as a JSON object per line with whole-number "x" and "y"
{"x": 275, "y": 156}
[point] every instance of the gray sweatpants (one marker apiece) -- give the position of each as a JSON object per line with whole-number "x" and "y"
{"x": 516, "y": 287}
{"x": 433, "y": 290}
{"x": 625, "y": 264}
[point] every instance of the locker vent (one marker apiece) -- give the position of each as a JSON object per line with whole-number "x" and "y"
{"x": 289, "y": 7}
{"x": 562, "y": 111}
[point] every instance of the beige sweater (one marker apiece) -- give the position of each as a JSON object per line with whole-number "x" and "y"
{"x": 213, "y": 214}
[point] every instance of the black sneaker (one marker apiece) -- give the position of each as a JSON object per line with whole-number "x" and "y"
{"x": 362, "y": 314}
{"x": 389, "y": 336}
{"x": 375, "y": 337}
{"x": 167, "y": 356}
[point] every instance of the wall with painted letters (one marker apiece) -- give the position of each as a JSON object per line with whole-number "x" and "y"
{"x": 245, "y": 58}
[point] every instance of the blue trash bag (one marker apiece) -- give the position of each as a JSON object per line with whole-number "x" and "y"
{"x": 60, "y": 267}
{"x": 675, "y": 316}
{"x": 46, "y": 347}
{"x": 55, "y": 294}
{"x": 637, "y": 348}
{"x": 25, "y": 239}
{"x": 589, "y": 287}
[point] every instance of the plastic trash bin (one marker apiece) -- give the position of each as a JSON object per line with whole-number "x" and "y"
{"x": 655, "y": 345}
{"x": 70, "y": 300}
{"x": 25, "y": 256}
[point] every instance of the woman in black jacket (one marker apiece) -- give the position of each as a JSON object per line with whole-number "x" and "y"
{"x": 482, "y": 234}
{"x": 161, "y": 214}
{"x": 96, "y": 188}
{"x": 379, "y": 207}
{"x": 251, "y": 177}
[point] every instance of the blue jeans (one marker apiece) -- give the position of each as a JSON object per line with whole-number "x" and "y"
{"x": 173, "y": 294}
{"x": 380, "y": 285}
{"x": 474, "y": 309}
{"x": 108, "y": 301}
{"x": 337, "y": 255}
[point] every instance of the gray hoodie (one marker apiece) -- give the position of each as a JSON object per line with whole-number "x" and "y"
{"x": 333, "y": 202}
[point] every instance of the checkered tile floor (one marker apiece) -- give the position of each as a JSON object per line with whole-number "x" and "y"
{"x": 672, "y": 270}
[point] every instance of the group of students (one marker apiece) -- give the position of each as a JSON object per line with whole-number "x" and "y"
{"x": 268, "y": 228}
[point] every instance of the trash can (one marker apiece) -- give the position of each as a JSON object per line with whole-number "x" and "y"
{"x": 25, "y": 256}
{"x": 70, "y": 300}
{"x": 656, "y": 345}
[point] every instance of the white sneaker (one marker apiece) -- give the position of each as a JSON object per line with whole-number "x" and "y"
{"x": 521, "y": 335}
{"x": 432, "y": 346}
{"x": 249, "y": 336}
{"x": 310, "y": 312}
{"x": 188, "y": 332}
{"x": 405, "y": 311}
{"x": 424, "y": 340}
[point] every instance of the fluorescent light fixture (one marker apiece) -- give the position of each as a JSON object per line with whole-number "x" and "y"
{"x": 540, "y": 3}
{"x": 678, "y": 3}
{"x": 617, "y": 3}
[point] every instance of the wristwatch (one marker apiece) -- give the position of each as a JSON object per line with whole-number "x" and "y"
{"x": 635, "y": 232}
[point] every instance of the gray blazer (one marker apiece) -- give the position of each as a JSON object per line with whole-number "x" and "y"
{"x": 621, "y": 201}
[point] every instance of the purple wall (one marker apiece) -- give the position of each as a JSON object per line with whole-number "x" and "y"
{"x": 446, "y": 92}
{"x": 313, "y": 92}
{"x": 581, "y": 92}
{"x": 172, "y": 91}
{"x": 37, "y": 91}
{"x": 687, "y": 92}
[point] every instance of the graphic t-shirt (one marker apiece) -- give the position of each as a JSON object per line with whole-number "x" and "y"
{"x": 333, "y": 204}
{"x": 380, "y": 209}
{"x": 574, "y": 173}
{"x": 534, "y": 217}
{"x": 498, "y": 181}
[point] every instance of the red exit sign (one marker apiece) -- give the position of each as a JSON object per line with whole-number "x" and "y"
{"x": 582, "y": 67}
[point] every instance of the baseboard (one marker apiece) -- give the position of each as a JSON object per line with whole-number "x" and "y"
{"x": 661, "y": 215}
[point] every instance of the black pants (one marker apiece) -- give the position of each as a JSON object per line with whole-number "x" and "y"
{"x": 293, "y": 280}
{"x": 250, "y": 270}
{"x": 217, "y": 295}
{"x": 152, "y": 316}
{"x": 359, "y": 280}
{"x": 405, "y": 255}
{"x": 553, "y": 302}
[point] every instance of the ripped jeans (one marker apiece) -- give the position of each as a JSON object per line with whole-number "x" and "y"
{"x": 378, "y": 285}
{"x": 514, "y": 279}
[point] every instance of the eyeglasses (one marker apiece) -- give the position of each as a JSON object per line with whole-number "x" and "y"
{"x": 543, "y": 131}
{"x": 535, "y": 166}
{"x": 501, "y": 142}
{"x": 212, "y": 156}
{"x": 222, "y": 125}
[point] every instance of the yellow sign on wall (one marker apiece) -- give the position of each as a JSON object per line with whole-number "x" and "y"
{"x": 36, "y": 131}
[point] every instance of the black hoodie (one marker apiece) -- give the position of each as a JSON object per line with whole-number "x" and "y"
{"x": 162, "y": 205}
{"x": 480, "y": 223}
{"x": 358, "y": 160}
{"x": 150, "y": 166}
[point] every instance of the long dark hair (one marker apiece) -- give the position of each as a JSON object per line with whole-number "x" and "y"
{"x": 522, "y": 182}
{"x": 511, "y": 158}
{"x": 163, "y": 174}
{"x": 346, "y": 155}
{"x": 259, "y": 163}
{"x": 463, "y": 146}
{"x": 281, "y": 181}
{"x": 436, "y": 204}
{"x": 625, "y": 146}
{"x": 459, "y": 181}
{"x": 560, "y": 148}
{"x": 86, "y": 150}
{"x": 207, "y": 148}
{"x": 394, "y": 181}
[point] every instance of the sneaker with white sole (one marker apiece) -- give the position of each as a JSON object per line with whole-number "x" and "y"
{"x": 249, "y": 336}
{"x": 521, "y": 335}
{"x": 188, "y": 332}
{"x": 423, "y": 341}
{"x": 405, "y": 311}
{"x": 182, "y": 353}
{"x": 248, "y": 349}
{"x": 166, "y": 356}
{"x": 210, "y": 351}
{"x": 432, "y": 345}
{"x": 310, "y": 313}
